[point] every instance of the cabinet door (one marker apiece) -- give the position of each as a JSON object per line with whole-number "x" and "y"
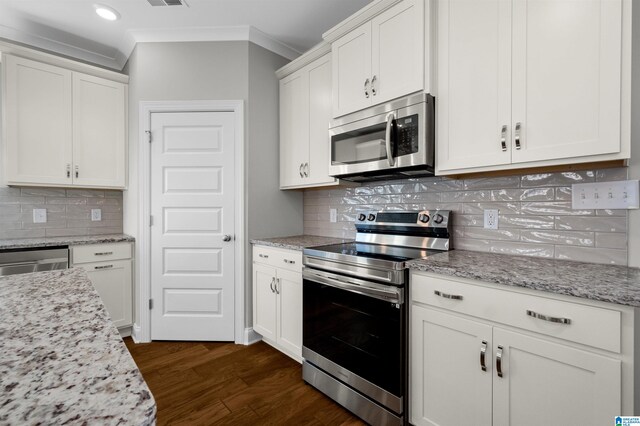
{"x": 319, "y": 118}
{"x": 38, "y": 123}
{"x": 99, "y": 138}
{"x": 351, "y": 59}
{"x": 290, "y": 311}
{"x": 294, "y": 128}
{"x": 113, "y": 282}
{"x": 397, "y": 51}
{"x": 448, "y": 385}
{"x": 549, "y": 383}
{"x": 473, "y": 83}
{"x": 264, "y": 301}
{"x": 566, "y": 78}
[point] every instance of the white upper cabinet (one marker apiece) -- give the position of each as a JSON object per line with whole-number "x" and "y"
{"x": 380, "y": 60}
{"x": 526, "y": 83}
{"x": 305, "y": 112}
{"x": 38, "y": 123}
{"x": 63, "y": 128}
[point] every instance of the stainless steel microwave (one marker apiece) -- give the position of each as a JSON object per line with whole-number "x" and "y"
{"x": 390, "y": 141}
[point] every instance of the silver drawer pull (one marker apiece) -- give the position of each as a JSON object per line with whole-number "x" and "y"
{"x": 103, "y": 267}
{"x": 104, "y": 253}
{"x": 447, "y": 296}
{"x": 499, "y": 361}
{"x": 503, "y": 138}
{"x": 483, "y": 354}
{"x": 289, "y": 261}
{"x": 558, "y": 320}
{"x": 264, "y": 256}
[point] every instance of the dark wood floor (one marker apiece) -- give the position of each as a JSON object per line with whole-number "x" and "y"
{"x": 197, "y": 383}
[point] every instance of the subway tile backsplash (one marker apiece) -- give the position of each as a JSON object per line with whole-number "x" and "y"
{"x": 68, "y": 212}
{"x": 536, "y": 218}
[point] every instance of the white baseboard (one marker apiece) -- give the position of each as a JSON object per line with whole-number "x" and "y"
{"x": 250, "y": 336}
{"x": 136, "y": 332}
{"x": 125, "y": 331}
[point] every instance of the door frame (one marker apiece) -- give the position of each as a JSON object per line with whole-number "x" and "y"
{"x": 142, "y": 329}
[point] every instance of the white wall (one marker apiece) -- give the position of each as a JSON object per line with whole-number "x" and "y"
{"x": 634, "y": 163}
{"x": 219, "y": 71}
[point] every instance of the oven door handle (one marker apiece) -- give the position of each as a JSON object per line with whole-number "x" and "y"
{"x": 365, "y": 288}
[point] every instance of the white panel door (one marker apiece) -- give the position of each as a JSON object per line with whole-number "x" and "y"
{"x": 38, "y": 119}
{"x": 99, "y": 138}
{"x": 397, "y": 51}
{"x": 351, "y": 59}
{"x": 192, "y": 203}
{"x": 566, "y": 78}
{"x": 545, "y": 383}
{"x": 294, "y": 128}
{"x": 448, "y": 385}
{"x": 112, "y": 281}
{"x": 289, "y": 290}
{"x": 473, "y": 83}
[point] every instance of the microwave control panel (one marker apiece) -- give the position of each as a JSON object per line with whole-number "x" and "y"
{"x": 407, "y": 135}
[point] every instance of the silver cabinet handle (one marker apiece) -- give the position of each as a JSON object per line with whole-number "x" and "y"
{"x": 503, "y": 138}
{"x": 264, "y": 256}
{"x": 517, "y": 138}
{"x": 77, "y": 171}
{"x": 103, "y": 253}
{"x": 373, "y": 85}
{"x": 291, "y": 262}
{"x": 447, "y": 296}
{"x": 300, "y": 169}
{"x": 483, "y": 354}
{"x": 68, "y": 170}
{"x": 277, "y": 285}
{"x": 387, "y": 136}
{"x": 499, "y": 361}
{"x": 306, "y": 169}
{"x": 273, "y": 280}
{"x": 366, "y": 88}
{"x": 558, "y": 320}
{"x": 226, "y": 238}
{"x": 103, "y": 267}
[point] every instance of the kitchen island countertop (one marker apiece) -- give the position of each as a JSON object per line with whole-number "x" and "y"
{"x": 605, "y": 283}
{"x": 63, "y": 361}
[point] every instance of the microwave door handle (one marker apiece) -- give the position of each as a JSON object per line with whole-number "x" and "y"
{"x": 390, "y": 118}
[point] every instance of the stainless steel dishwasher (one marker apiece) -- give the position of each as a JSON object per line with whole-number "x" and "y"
{"x": 22, "y": 261}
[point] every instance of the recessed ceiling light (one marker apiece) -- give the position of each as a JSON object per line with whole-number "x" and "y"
{"x": 106, "y": 12}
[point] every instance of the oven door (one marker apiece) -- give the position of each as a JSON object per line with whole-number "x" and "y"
{"x": 354, "y": 330}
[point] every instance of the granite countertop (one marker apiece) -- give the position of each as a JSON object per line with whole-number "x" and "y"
{"x": 64, "y": 241}
{"x": 605, "y": 283}
{"x": 299, "y": 242}
{"x": 63, "y": 361}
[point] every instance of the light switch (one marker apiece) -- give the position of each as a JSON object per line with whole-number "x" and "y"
{"x": 96, "y": 215}
{"x": 39, "y": 215}
{"x": 605, "y": 195}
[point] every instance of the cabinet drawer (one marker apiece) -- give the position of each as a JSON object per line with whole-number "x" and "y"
{"x": 279, "y": 258}
{"x": 588, "y": 325}
{"x": 100, "y": 253}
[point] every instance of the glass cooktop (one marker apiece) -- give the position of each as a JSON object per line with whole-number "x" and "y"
{"x": 374, "y": 251}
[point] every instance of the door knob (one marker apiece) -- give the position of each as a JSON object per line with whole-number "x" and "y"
{"x": 226, "y": 238}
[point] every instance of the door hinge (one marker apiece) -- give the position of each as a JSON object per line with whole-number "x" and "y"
{"x": 150, "y": 304}
{"x": 148, "y": 132}
{"x": 150, "y": 220}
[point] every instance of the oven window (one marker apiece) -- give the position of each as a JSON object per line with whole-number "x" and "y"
{"x": 359, "y": 333}
{"x": 359, "y": 146}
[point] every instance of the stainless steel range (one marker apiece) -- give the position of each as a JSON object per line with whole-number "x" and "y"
{"x": 355, "y": 315}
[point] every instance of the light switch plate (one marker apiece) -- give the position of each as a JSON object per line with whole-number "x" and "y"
{"x": 333, "y": 215}
{"x": 491, "y": 219}
{"x": 96, "y": 215}
{"x": 605, "y": 195}
{"x": 39, "y": 215}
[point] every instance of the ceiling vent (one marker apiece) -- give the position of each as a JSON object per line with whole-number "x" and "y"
{"x": 168, "y": 3}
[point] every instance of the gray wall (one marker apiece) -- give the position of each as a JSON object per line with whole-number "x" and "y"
{"x": 235, "y": 70}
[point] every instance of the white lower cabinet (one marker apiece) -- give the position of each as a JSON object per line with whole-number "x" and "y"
{"x": 109, "y": 267}
{"x": 473, "y": 370}
{"x": 277, "y": 298}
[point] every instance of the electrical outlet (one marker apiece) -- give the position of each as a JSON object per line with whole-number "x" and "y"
{"x": 39, "y": 215}
{"x": 333, "y": 215}
{"x": 96, "y": 215}
{"x": 491, "y": 219}
{"x": 605, "y": 195}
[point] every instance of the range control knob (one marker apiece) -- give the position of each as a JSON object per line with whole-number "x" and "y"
{"x": 424, "y": 218}
{"x": 438, "y": 218}
{"x": 362, "y": 217}
{"x": 372, "y": 217}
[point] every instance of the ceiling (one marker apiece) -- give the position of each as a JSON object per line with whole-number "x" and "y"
{"x": 72, "y": 28}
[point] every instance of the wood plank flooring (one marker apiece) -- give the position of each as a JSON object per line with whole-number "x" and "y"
{"x": 197, "y": 383}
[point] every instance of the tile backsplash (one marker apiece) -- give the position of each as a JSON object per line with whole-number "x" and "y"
{"x": 535, "y": 214}
{"x": 68, "y": 212}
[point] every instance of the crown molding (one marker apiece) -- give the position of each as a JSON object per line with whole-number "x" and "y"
{"x": 362, "y": 16}
{"x": 316, "y": 52}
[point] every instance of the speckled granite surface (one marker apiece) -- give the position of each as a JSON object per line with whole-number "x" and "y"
{"x": 62, "y": 360}
{"x": 298, "y": 242}
{"x": 64, "y": 241}
{"x": 606, "y": 283}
